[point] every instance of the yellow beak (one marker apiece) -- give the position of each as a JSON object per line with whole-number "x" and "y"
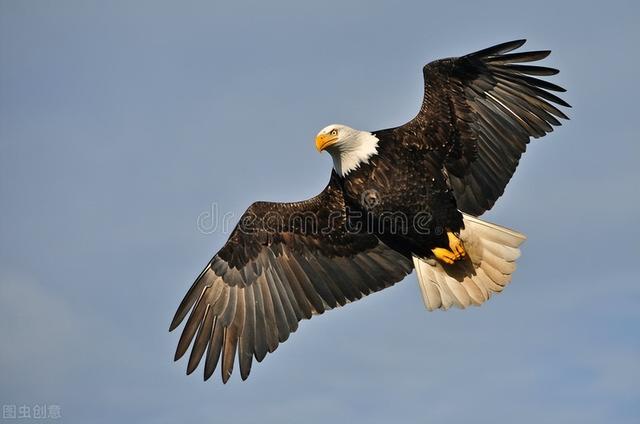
{"x": 325, "y": 140}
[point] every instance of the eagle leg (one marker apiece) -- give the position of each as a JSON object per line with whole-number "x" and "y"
{"x": 454, "y": 253}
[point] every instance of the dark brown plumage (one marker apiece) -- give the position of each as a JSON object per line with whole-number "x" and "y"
{"x": 285, "y": 262}
{"x": 483, "y": 108}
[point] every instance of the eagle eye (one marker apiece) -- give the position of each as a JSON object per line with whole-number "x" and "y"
{"x": 334, "y": 132}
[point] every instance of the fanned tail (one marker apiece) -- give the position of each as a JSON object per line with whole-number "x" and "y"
{"x": 491, "y": 254}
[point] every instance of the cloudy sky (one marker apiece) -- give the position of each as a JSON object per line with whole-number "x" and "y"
{"x": 122, "y": 122}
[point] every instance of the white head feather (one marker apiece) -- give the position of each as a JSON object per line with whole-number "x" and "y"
{"x": 349, "y": 148}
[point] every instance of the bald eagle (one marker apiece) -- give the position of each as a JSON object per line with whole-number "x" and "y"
{"x": 398, "y": 199}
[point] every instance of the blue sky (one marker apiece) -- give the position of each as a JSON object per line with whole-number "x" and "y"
{"x": 121, "y": 122}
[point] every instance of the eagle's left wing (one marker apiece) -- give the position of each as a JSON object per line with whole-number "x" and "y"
{"x": 283, "y": 263}
{"x": 480, "y": 110}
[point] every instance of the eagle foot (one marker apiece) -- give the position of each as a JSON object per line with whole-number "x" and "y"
{"x": 454, "y": 253}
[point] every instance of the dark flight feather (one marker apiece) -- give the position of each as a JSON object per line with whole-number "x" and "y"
{"x": 273, "y": 285}
{"x": 498, "y": 106}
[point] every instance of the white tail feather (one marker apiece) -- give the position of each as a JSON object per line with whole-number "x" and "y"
{"x": 491, "y": 254}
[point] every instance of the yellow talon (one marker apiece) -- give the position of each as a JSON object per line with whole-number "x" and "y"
{"x": 454, "y": 253}
{"x": 455, "y": 244}
{"x": 445, "y": 255}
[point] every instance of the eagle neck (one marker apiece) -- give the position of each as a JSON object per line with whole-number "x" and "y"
{"x": 350, "y": 156}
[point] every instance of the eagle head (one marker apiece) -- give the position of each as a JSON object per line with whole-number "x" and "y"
{"x": 348, "y": 147}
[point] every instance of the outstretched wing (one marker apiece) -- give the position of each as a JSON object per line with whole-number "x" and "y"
{"x": 284, "y": 262}
{"x": 481, "y": 110}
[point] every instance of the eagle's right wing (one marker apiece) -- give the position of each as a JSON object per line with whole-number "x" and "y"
{"x": 284, "y": 262}
{"x": 480, "y": 110}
